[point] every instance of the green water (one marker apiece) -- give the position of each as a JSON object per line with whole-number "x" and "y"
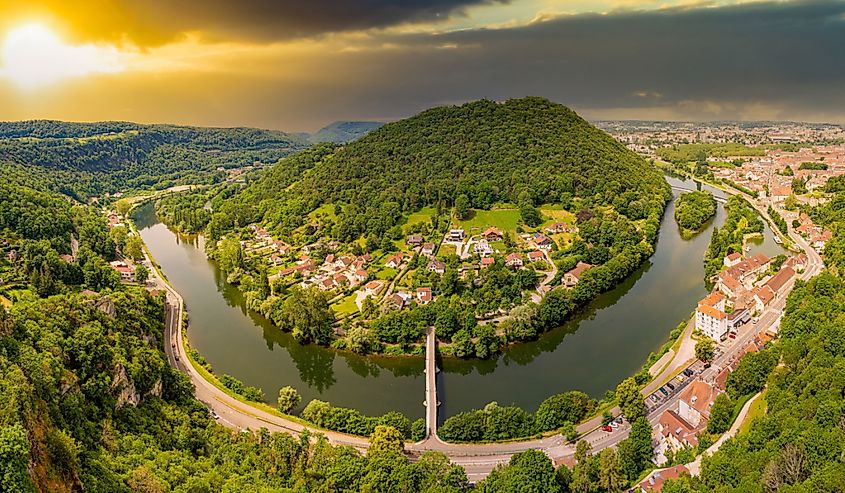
{"x": 607, "y": 342}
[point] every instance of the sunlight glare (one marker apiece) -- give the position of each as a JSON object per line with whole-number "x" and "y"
{"x": 34, "y": 56}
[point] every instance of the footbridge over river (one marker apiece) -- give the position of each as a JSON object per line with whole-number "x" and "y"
{"x": 431, "y": 403}
{"x": 685, "y": 189}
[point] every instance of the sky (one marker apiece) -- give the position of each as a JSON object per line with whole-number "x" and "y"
{"x": 298, "y": 65}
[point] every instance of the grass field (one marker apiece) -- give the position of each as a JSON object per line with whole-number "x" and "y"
{"x": 422, "y": 216}
{"x": 556, "y": 214}
{"x": 325, "y": 210}
{"x": 446, "y": 250}
{"x": 386, "y": 274}
{"x": 504, "y": 219}
{"x": 346, "y": 305}
{"x": 757, "y": 409}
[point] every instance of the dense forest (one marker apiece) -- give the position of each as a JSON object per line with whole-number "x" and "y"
{"x": 524, "y": 150}
{"x": 343, "y": 132}
{"x": 87, "y": 159}
{"x": 693, "y": 209}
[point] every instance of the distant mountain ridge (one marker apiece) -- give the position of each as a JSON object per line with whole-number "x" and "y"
{"x": 342, "y": 132}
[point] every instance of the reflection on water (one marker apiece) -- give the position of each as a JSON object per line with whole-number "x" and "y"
{"x": 607, "y": 341}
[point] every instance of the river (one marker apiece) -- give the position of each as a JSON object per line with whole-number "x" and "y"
{"x": 608, "y": 341}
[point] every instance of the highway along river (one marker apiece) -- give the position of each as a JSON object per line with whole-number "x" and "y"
{"x": 607, "y": 342}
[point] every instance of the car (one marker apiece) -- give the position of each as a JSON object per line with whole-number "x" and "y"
{"x": 614, "y": 424}
{"x": 607, "y": 428}
{"x": 653, "y": 398}
{"x": 664, "y": 392}
{"x": 176, "y": 357}
{"x": 681, "y": 378}
{"x": 732, "y": 335}
{"x": 671, "y": 387}
{"x": 688, "y": 372}
{"x": 214, "y": 414}
{"x": 173, "y": 345}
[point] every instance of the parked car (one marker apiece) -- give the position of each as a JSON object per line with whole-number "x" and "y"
{"x": 614, "y": 424}
{"x": 671, "y": 387}
{"x": 664, "y": 392}
{"x": 688, "y": 372}
{"x": 681, "y": 378}
{"x": 732, "y": 335}
{"x": 607, "y": 428}
{"x": 214, "y": 414}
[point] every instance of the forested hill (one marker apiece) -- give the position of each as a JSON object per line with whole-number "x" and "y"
{"x": 343, "y": 132}
{"x": 524, "y": 149}
{"x": 93, "y": 158}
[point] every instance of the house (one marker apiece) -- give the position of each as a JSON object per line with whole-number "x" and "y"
{"x": 710, "y": 316}
{"x": 746, "y": 271}
{"x": 779, "y": 280}
{"x": 558, "y": 228}
{"x": 360, "y": 275}
{"x": 427, "y": 249}
{"x": 275, "y": 260}
{"x": 126, "y": 271}
{"x": 732, "y": 259}
{"x": 281, "y": 247}
{"x": 654, "y": 482}
{"x": 695, "y": 401}
{"x": 762, "y": 297}
{"x": 437, "y": 266}
{"x": 326, "y": 284}
{"x": 456, "y": 235}
{"x": 340, "y": 280}
{"x": 373, "y": 288}
{"x": 571, "y": 278}
{"x": 487, "y": 262}
{"x": 414, "y": 240}
{"x": 513, "y": 260}
{"x": 819, "y": 240}
{"x": 401, "y": 299}
{"x": 482, "y": 248}
{"x": 797, "y": 262}
{"x": 542, "y": 241}
{"x": 738, "y": 317}
{"x": 535, "y": 256}
{"x": 728, "y": 285}
{"x": 394, "y": 261}
{"x": 492, "y": 234}
{"x": 424, "y": 296}
{"x": 677, "y": 431}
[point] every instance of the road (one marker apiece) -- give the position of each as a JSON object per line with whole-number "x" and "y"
{"x": 477, "y": 459}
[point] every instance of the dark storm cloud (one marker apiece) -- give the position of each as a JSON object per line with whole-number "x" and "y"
{"x": 705, "y": 61}
{"x": 156, "y": 21}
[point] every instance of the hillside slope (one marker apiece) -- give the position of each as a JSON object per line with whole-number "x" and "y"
{"x": 491, "y": 152}
{"x": 93, "y": 158}
{"x": 343, "y": 132}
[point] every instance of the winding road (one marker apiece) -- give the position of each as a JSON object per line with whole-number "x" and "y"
{"x": 477, "y": 459}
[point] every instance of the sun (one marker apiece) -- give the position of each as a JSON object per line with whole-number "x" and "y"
{"x": 34, "y": 56}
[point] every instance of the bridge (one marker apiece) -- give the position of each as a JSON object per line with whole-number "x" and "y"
{"x": 431, "y": 403}
{"x": 685, "y": 189}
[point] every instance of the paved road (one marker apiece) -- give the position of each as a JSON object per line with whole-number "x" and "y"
{"x": 477, "y": 459}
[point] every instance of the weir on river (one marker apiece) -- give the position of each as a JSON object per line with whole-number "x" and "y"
{"x": 609, "y": 340}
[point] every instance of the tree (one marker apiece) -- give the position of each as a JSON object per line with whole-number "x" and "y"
{"x": 611, "y": 478}
{"x": 289, "y": 398}
{"x": 527, "y": 472}
{"x": 720, "y": 414}
{"x": 141, "y": 274}
{"x": 630, "y": 399}
{"x": 385, "y": 439}
{"x": 462, "y": 207}
{"x": 14, "y": 459}
{"x": 133, "y": 248}
{"x": 705, "y": 350}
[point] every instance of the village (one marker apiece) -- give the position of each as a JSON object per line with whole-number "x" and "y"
{"x": 386, "y": 279}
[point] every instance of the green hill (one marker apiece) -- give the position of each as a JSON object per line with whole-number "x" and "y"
{"x": 92, "y": 158}
{"x": 343, "y": 132}
{"x": 491, "y": 152}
